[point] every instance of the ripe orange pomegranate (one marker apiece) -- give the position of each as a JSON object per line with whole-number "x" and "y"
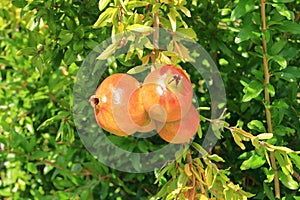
{"x": 183, "y": 130}
{"x": 111, "y": 102}
{"x": 167, "y": 94}
{"x": 137, "y": 112}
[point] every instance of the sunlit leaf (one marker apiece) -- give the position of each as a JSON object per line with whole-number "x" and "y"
{"x": 280, "y": 60}
{"x": 216, "y": 158}
{"x": 102, "y": 4}
{"x": 264, "y": 136}
{"x": 295, "y": 158}
{"x": 138, "y": 69}
{"x": 140, "y": 28}
{"x": 105, "y": 16}
{"x": 185, "y": 10}
{"x": 288, "y": 181}
{"x": 136, "y": 4}
{"x": 238, "y": 140}
{"x": 172, "y": 17}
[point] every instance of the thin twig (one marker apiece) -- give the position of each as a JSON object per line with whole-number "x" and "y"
{"x": 267, "y": 95}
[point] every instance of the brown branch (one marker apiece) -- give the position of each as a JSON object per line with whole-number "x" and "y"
{"x": 267, "y": 95}
{"x": 296, "y": 175}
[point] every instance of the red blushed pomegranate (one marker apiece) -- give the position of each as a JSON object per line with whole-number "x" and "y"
{"x": 183, "y": 130}
{"x": 167, "y": 94}
{"x": 111, "y": 102}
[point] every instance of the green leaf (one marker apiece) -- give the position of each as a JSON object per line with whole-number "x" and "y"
{"x": 282, "y": 162}
{"x": 19, "y": 3}
{"x": 256, "y": 125}
{"x": 254, "y": 162}
{"x": 105, "y": 17}
{"x": 136, "y": 4}
{"x": 290, "y": 74}
{"x": 252, "y": 90}
{"x": 39, "y": 155}
{"x": 65, "y": 37}
{"x": 189, "y": 32}
{"x": 271, "y": 89}
{"x": 269, "y": 173}
{"x": 283, "y": 1}
{"x": 268, "y": 191}
{"x": 277, "y": 47}
{"x": 280, "y": 60}
{"x": 138, "y": 69}
{"x": 246, "y": 33}
{"x": 70, "y": 56}
{"x": 288, "y": 181}
{"x": 102, "y": 4}
{"x": 91, "y": 43}
{"x": 288, "y": 26}
{"x": 284, "y": 11}
{"x": 243, "y": 7}
{"x": 28, "y": 51}
{"x": 140, "y": 28}
{"x": 53, "y": 119}
{"x": 267, "y": 35}
{"x": 38, "y": 63}
{"x": 296, "y": 159}
{"x": 6, "y": 191}
{"x": 32, "y": 168}
{"x": 216, "y": 158}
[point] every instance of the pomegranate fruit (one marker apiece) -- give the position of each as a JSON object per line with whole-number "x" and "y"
{"x": 181, "y": 131}
{"x": 111, "y": 105}
{"x": 137, "y": 112}
{"x": 167, "y": 94}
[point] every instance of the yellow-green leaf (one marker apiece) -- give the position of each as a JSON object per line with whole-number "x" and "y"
{"x": 102, "y": 4}
{"x": 187, "y": 170}
{"x": 187, "y": 32}
{"x": 172, "y": 18}
{"x": 185, "y": 10}
{"x": 140, "y": 28}
{"x": 105, "y": 17}
{"x": 265, "y": 136}
{"x": 283, "y": 164}
{"x": 138, "y": 69}
{"x": 216, "y": 158}
{"x": 238, "y": 141}
{"x": 288, "y": 181}
{"x": 136, "y": 4}
{"x": 110, "y": 50}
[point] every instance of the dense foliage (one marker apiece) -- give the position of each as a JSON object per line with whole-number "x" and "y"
{"x": 44, "y": 43}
